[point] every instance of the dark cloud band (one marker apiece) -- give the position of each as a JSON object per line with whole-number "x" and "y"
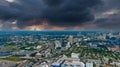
{"x": 56, "y": 12}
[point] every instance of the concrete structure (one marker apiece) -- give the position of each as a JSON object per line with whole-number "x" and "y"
{"x": 70, "y": 39}
{"x": 89, "y": 64}
{"x": 38, "y": 56}
{"x": 58, "y": 63}
{"x": 75, "y": 55}
{"x": 68, "y": 45}
{"x": 97, "y": 62}
{"x": 44, "y": 64}
{"x": 57, "y": 44}
{"x": 73, "y": 64}
{"x": 38, "y": 47}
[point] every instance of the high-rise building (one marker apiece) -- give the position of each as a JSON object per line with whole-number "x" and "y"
{"x": 119, "y": 35}
{"x": 104, "y": 36}
{"x": 57, "y": 44}
{"x": 70, "y": 39}
{"x": 68, "y": 45}
{"x": 111, "y": 34}
{"x": 79, "y": 34}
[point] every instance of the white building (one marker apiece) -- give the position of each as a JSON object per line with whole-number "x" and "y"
{"x": 38, "y": 47}
{"x": 57, "y": 44}
{"x": 38, "y": 55}
{"x": 70, "y": 39}
{"x": 74, "y": 55}
{"x": 75, "y": 39}
{"x": 97, "y": 62}
{"x": 44, "y": 64}
{"x": 89, "y": 64}
{"x": 73, "y": 64}
{"x": 68, "y": 45}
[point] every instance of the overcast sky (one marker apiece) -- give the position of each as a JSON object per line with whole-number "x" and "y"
{"x": 60, "y": 14}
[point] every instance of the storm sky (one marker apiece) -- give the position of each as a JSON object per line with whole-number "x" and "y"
{"x": 60, "y": 14}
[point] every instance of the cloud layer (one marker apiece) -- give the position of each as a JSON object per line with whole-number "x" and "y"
{"x": 62, "y": 14}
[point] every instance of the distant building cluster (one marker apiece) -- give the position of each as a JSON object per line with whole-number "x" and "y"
{"x": 59, "y": 49}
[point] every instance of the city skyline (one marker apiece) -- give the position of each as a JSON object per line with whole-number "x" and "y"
{"x": 59, "y": 15}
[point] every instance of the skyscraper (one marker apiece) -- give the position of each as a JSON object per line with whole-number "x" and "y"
{"x": 70, "y": 39}
{"x": 57, "y": 44}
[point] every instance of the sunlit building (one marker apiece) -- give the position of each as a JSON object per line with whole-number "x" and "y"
{"x": 70, "y": 39}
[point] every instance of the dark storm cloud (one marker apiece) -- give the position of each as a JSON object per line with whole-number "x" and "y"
{"x": 108, "y": 5}
{"x": 111, "y": 23}
{"x": 112, "y": 3}
{"x": 109, "y": 15}
{"x": 53, "y": 2}
{"x": 56, "y": 12}
{"x": 69, "y": 12}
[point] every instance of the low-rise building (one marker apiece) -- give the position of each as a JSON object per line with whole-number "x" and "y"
{"x": 73, "y": 64}
{"x": 89, "y": 64}
{"x": 74, "y": 55}
{"x": 38, "y": 56}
